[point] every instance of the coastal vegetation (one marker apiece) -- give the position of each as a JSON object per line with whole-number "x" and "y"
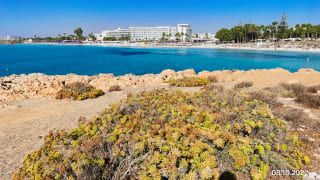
{"x": 79, "y": 34}
{"x": 123, "y": 38}
{"x": 190, "y": 81}
{"x": 171, "y": 135}
{"x": 79, "y": 91}
{"x": 92, "y": 37}
{"x": 114, "y": 88}
{"x": 305, "y": 95}
{"x": 244, "y": 33}
{"x": 245, "y": 84}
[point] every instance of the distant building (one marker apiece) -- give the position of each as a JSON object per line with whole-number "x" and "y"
{"x": 117, "y": 33}
{"x": 204, "y": 37}
{"x": 28, "y": 41}
{"x": 10, "y": 38}
{"x": 149, "y": 33}
{"x": 185, "y": 30}
{"x": 152, "y": 33}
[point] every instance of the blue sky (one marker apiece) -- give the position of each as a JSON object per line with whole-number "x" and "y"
{"x": 51, "y": 17}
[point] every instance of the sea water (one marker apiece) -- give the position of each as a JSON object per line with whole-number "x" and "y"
{"x": 91, "y": 60}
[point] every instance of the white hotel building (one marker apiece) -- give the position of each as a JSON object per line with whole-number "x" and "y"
{"x": 117, "y": 33}
{"x": 9, "y": 38}
{"x": 149, "y": 33}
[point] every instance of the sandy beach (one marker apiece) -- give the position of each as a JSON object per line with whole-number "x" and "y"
{"x": 252, "y": 47}
{"x": 29, "y": 110}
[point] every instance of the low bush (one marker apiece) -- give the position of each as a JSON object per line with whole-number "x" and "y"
{"x": 114, "y": 88}
{"x": 288, "y": 113}
{"x": 243, "y": 85}
{"x": 313, "y": 89}
{"x": 189, "y": 82}
{"x": 213, "y": 79}
{"x": 295, "y": 88}
{"x": 212, "y": 87}
{"x": 170, "y": 135}
{"x": 309, "y": 99}
{"x": 79, "y": 91}
{"x": 265, "y": 96}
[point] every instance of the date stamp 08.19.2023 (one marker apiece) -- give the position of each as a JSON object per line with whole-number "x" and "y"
{"x": 307, "y": 174}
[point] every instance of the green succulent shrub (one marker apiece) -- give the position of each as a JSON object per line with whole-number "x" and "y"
{"x": 79, "y": 91}
{"x": 170, "y": 135}
{"x": 189, "y": 82}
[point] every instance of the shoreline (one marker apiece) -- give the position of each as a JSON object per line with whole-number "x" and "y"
{"x": 219, "y": 47}
{"x": 24, "y": 86}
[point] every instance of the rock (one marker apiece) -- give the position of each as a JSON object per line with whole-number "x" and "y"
{"x": 294, "y": 81}
{"x": 311, "y": 139}
{"x": 306, "y": 71}
{"x": 205, "y": 74}
{"x": 187, "y": 73}
{"x": 167, "y": 72}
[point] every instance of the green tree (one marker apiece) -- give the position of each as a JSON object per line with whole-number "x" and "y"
{"x": 274, "y": 29}
{"x": 92, "y": 37}
{"x": 224, "y": 35}
{"x": 163, "y": 38}
{"x": 207, "y": 36}
{"x": 251, "y": 32}
{"x": 178, "y": 36}
{"x": 79, "y": 33}
{"x": 109, "y": 39}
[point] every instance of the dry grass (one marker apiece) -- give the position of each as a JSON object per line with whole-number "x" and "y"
{"x": 79, "y": 91}
{"x": 265, "y": 96}
{"x": 296, "y": 88}
{"x": 313, "y": 89}
{"x": 245, "y": 84}
{"x": 189, "y": 82}
{"x": 289, "y": 114}
{"x": 309, "y": 99}
{"x": 213, "y": 79}
{"x": 212, "y": 87}
{"x": 304, "y": 95}
{"x": 114, "y": 88}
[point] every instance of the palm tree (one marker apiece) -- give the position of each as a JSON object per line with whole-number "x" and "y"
{"x": 163, "y": 38}
{"x": 93, "y": 37}
{"x": 207, "y": 36}
{"x": 79, "y": 33}
{"x": 177, "y": 35}
{"x": 182, "y": 35}
{"x": 274, "y": 28}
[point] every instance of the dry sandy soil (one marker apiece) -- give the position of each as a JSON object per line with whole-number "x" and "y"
{"x": 24, "y": 121}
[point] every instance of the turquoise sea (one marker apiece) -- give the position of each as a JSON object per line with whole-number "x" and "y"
{"x": 90, "y": 60}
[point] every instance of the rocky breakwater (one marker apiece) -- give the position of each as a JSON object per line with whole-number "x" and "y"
{"x": 17, "y": 87}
